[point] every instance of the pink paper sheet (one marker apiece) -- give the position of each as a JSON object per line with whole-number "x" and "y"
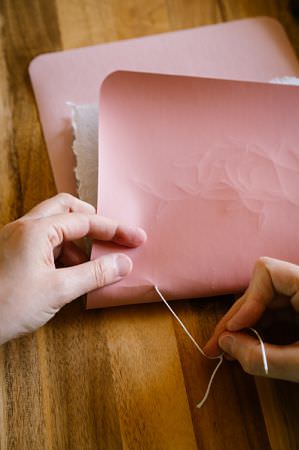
{"x": 252, "y": 49}
{"x": 210, "y": 169}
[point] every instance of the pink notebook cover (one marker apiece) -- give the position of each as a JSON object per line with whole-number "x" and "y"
{"x": 252, "y": 49}
{"x": 209, "y": 168}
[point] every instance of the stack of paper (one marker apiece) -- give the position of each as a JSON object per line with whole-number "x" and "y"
{"x": 208, "y": 167}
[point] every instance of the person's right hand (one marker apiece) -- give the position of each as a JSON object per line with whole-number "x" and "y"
{"x": 274, "y": 284}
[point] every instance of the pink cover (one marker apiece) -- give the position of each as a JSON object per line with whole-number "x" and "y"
{"x": 209, "y": 168}
{"x": 250, "y": 49}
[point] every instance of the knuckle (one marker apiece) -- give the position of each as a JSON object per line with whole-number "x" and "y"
{"x": 99, "y": 273}
{"x": 65, "y": 198}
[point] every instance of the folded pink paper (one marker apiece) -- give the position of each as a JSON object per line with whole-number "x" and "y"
{"x": 250, "y": 49}
{"x": 209, "y": 168}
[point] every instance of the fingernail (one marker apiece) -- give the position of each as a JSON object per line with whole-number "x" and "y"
{"x": 131, "y": 236}
{"x": 123, "y": 265}
{"x": 139, "y": 236}
{"x": 226, "y": 343}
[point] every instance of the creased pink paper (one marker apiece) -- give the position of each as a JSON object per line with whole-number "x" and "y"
{"x": 209, "y": 168}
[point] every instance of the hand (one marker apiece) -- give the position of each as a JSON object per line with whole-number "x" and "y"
{"x": 274, "y": 284}
{"x": 32, "y": 289}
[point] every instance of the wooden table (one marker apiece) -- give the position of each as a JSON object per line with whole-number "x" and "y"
{"x": 125, "y": 377}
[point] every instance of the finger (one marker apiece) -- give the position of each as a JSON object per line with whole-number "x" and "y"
{"x": 271, "y": 276}
{"x": 211, "y": 348}
{"x": 72, "y": 282}
{"x": 69, "y": 227}
{"x": 283, "y": 361}
{"x": 61, "y": 203}
{"x": 285, "y": 278}
{"x": 71, "y": 255}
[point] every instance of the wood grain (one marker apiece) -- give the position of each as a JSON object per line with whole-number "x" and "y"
{"x": 125, "y": 378}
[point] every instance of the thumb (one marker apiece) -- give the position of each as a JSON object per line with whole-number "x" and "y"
{"x": 283, "y": 361}
{"x": 72, "y": 282}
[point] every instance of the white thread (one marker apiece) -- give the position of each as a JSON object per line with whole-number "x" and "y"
{"x": 263, "y": 349}
{"x": 220, "y": 357}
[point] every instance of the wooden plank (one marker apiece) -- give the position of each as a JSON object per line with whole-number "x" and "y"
{"x": 91, "y": 22}
{"x": 11, "y": 202}
{"x": 25, "y": 179}
{"x": 192, "y": 13}
{"x": 241, "y": 425}
{"x": 149, "y": 385}
{"x": 30, "y": 29}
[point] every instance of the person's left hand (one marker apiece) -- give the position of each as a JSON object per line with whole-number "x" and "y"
{"x": 32, "y": 288}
